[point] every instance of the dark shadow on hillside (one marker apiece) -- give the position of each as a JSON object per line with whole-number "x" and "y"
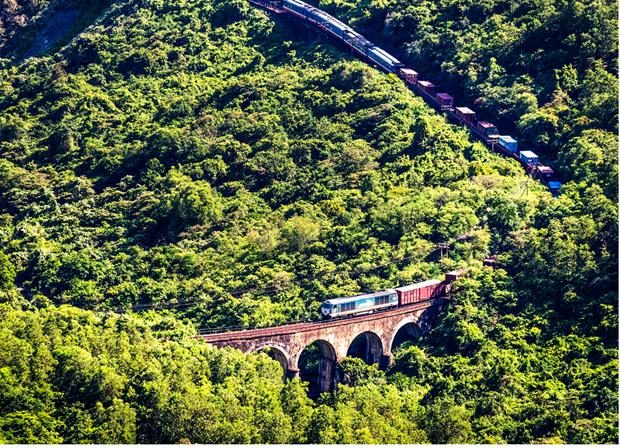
{"x": 56, "y": 26}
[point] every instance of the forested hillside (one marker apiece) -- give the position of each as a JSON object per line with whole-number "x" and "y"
{"x": 200, "y": 164}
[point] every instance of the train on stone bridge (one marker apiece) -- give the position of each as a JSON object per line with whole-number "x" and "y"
{"x": 486, "y": 132}
{"x": 389, "y": 298}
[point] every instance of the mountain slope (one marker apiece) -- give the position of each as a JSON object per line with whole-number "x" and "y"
{"x": 197, "y": 158}
{"x": 226, "y": 168}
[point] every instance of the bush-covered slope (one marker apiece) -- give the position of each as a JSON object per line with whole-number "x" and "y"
{"x": 202, "y": 157}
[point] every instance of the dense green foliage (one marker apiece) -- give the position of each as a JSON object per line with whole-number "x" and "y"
{"x": 201, "y": 157}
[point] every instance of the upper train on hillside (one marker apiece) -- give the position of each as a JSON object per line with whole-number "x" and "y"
{"x": 444, "y": 102}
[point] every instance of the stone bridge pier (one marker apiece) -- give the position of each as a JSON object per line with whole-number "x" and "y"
{"x": 372, "y": 337}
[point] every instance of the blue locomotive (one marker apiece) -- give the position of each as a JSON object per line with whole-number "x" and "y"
{"x": 362, "y": 303}
{"x": 444, "y": 102}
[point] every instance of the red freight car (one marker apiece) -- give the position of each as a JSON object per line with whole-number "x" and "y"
{"x": 410, "y": 76}
{"x": 420, "y": 291}
{"x": 427, "y": 86}
{"x": 445, "y": 100}
{"x": 465, "y": 115}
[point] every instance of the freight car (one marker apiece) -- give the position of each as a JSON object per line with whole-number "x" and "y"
{"x": 444, "y": 102}
{"x": 419, "y": 292}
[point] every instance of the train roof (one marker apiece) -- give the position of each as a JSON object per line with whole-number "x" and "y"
{"x": 386, "y": 55}
{"x": 426, "y": 83}
{"x": 485, "y": 124}
{"x": 554, "y": 184}
{"x": 358, "y": 37}
{"x": 529, "y": 154}
{"x": 423, "y": 284}
{"x": 340, "y": 300}
{"x": 507, "y": 139}
{"x": 445, "y": 96}
{"x": 544, "y": 169}
{"x": 408, "y": 71}
{"x": 465, "y": 110}
{"x": 331, "y": 19}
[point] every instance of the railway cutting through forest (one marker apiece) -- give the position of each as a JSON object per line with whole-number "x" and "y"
{"x": 373, "y": 321}
{"x": 443, "y": 102}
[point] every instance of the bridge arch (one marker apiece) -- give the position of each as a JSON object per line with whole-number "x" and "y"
{"x": 407, "y": 329}
{"x": 368, "y": 346}
{"x": 317, "y": 364}
{"x": 277, "y": 353}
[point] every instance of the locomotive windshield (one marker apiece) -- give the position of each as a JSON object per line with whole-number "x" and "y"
{"x": 326, "y": 308}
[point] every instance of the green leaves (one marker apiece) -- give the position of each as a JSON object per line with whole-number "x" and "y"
{"x": 355, "y": 372}
{"x": 29, "y": 428}
{"x": 447, "y": 422}
{"x": 592, "y": 158}
{"x": 121, "y": 385}
{"x": 7, "y": 272}
{"x": 188, "y": 202}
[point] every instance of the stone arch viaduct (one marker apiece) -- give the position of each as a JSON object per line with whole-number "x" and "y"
{"x": 335, "y": 338}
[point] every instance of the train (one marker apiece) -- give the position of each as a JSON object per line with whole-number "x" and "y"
{"x": 388, "y": 298}
{"x": 484, "y": 131}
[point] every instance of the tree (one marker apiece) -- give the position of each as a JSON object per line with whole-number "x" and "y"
{"x": 355, "y": 372}
{"x": 7, "y": 272}
{"x": 592, "y": 158}
{"x": 186, "y": 202}
{"x": 448, "y": 422}
{"x": 299, "y": 231}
